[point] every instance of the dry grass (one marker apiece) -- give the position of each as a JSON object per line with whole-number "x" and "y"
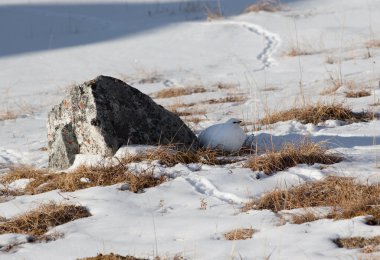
{"x": 358, "y": 94}
{"x": 190, "y": 112}
{"x": 366, "y": 244}
{"x": 298, "y": 51}
{"x": 226, "y": 86}
{"x": 112, "y": 256}
{"x": 213, "y": 14}
{"x": 346, "y": 198}
{"x": 230, "y": 99}
{"x": 373, "y": 44}
{"x": 303, "y": 218}
{"x": 176, "y": 92}
{"x": 264, "y": 5}
{"x": 42, "y": 181}
{"x": 16, "y": 111}
{"x": 8, "y": 115}
{"x": 168, "y": 156}
{"x": 290, "y": 155}
{"x": 331, "y": 59}
{"x": 316, "y": 113}
{"x": 103, "y": 175}
{"x": 240, "y": 234}
{"x": 194, "y": 120}
{"x": 39, "y": 221}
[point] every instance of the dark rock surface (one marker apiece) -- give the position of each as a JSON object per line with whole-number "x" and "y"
{"x": 99, "y": 116}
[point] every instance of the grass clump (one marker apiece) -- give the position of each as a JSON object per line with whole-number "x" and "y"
{"x": 366, "y": 244}
{"x": 347, "y": 198}
{"x": 240, "y": 234}
{"x": 316, "y": 113}
{"x": 176, "y": 92}
{"x": 112, "y": 256}
{"x": 8, "y": 115}
{"x": 373, "y": 44}
{"x": 230, "y": 99}
{"x": 264, "y": 5}
{"x": 302, "y": 218}
{"x": 169, "y": 156}
{"x": 290, "y": 155}
{"x": 81, "y": 178}
{"x": 358, "y": 94}
{"x": 39, "y": 221}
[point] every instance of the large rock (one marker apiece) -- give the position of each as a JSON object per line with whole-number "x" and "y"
{"x": 103, "y": 114}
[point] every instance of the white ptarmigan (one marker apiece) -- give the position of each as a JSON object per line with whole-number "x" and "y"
{"x": 228, "y": 136}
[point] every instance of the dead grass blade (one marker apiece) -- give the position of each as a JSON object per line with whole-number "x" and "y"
{"x": 169, "y": 156}
{"x": 230, "y": 99}
{"x": 290, "y": 155}
{"x": 264, "y": 5}
{"x": 39, "y": 221}
{"x": 357, "y": 94}
{"x": 347, "y": 198}
{"x": 303, "y": 218}
{"x": 112, "y": 256}
{"x": 176, "y": 92}
{"x": 366, "y": 244}
{"x": 81, "y": 178}
{"x": 316, "y": 113}
{"x": 240, "y": 234}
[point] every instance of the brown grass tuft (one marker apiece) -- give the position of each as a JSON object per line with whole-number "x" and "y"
{"x": 231, "y": 99}
{"x": 169, "y": 156}
{"x": 297, "y": 51}
{"x": 373, "y": 44}
{"x": 112, "y": 256}
{"x": 175, "y": 92}
{"x": 8, "y": 115}
{"x": 83, "y": 177}
{"x": 240, "y": 234}
{"x": 358, "y": 94}
{"x": 39, "y": 221}
{"x": 139, "y": 182}
{"x": 316, "y": 113}
{"x": 303, "y": 218}
{"x": 264, "y": 5}
{"x": 290, "y": 155}
{"x": 366, "y": 244}
{"x": 189, "y": 112}
{"x": 347, "y": 198}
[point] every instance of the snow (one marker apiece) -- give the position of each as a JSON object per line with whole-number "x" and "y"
{"x": 47, "y": 45}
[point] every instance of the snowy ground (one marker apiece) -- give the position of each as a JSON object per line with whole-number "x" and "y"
{"x": 49, "y": 45}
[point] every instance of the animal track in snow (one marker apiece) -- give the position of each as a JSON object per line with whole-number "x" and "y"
{"x": 204, "y": 186}
{"x": 272, "y": 41}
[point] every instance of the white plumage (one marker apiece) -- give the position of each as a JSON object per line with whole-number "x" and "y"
{"x": 227, "y": 136}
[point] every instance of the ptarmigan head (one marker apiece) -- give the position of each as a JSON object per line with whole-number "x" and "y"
{"x": 233, "y": 121}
